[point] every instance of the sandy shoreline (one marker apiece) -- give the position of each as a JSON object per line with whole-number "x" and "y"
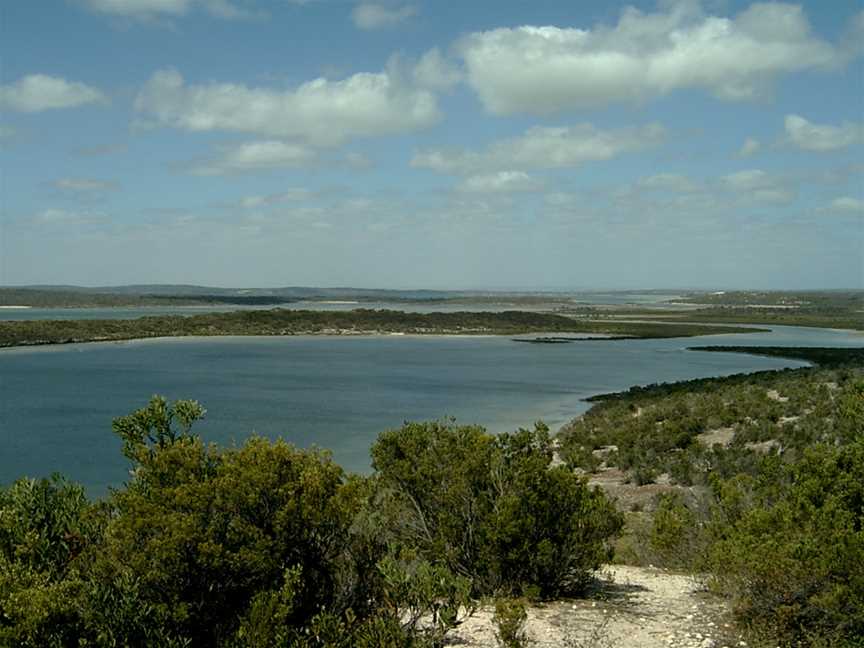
{"x": 346, "y": 334}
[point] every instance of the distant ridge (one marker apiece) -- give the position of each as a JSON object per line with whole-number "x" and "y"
{"x": 293, "y": 292}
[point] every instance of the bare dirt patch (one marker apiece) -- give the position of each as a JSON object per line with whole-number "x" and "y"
{"x": 773, "y": 394}
{"x": 763, "y": 446}
{"x": 629, "y": 496}
{"x": 630, "y": 606}
{"x": 720, "y": 436}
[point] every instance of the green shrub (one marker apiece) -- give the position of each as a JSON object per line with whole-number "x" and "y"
{"x": 266, "y": 545}
{"x": 790, "y": 548}
{"x": 206, "y": 533}
{"x": 45, "y": 526}
{"x": 492, "y": 508}
{"x": 509, "y": 620}
{"x": 674, "y": 532}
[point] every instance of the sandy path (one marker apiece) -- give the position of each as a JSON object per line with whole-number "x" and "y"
{"x": 634, "y": 606}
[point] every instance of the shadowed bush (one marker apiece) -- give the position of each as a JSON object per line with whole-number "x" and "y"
{"x": 493, "y": 508}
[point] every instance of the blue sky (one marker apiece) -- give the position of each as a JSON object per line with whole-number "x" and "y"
{"x": 388, "y": 143}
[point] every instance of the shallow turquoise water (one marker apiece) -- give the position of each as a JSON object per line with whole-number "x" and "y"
{"x": 57, "y": 403}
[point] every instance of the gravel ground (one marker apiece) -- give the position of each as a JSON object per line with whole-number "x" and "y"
{"x": 630, "y": 606}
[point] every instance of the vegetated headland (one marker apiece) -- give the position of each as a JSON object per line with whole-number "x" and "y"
{"x": 276, "y": 322}
{"x": 753, "y": 482}
{"x": 824, "y": 309}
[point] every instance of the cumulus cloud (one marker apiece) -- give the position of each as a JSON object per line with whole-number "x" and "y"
{"x": 291, "y": 195}
{"x": 500, "y": 182}
{"x": 543, "y": 148}
{"x": 37, "y": 92}
{"x": 543, "y": 70}
{"x": 434, "y": 72}
{"x": 372, "y": 15}
{"x": 149, "y": 9}
{"x": 750, "y": 147}
{"x": 321, "y": 112}
{"x": 822, "y": 137}
{"x": 758, "y": 185}
{"x": 847, "y": 204}
{"x": 264, "y": 155}
{"x": 258, "y": 156}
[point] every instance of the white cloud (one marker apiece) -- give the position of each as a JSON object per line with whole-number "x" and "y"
{"x": 372, "y": 15}
{"x": 37, "y": 92}
{"x": 822, "y": 137}
{"x": 750, "y": 147}
{"x": 500, "y": 182}
{"x": 258, "y": 156}
{"x": 84, "y": 185}
{"x": 149, "y": 9}
{"x": 263, "y": 155}
{"x": 544, "y": 148}
{"x": 543, "y": 70}
{"x": 139, "y": 7}
{"x": 321, "y": 112}
{"x": 668, "y": 182}
{"x": 759, "y": 186}
{"x": 435, "y": 73}
{"x": 291, "y": 195}
{"x": 847, "y": 204}
{"x": 6, "y": 132}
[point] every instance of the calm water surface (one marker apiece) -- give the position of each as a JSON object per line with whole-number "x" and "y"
{"x": 57, "y": 403}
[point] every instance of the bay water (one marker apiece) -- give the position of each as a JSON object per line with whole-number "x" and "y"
{"x": 57, "y": 402}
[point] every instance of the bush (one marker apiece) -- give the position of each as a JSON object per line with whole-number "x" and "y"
{"x": 674, "y": 532}
{"x": 791, "y": 555}
{"x": 45, "y": 525}
{"x": 266, "y": 545}
{"x": 509, "y": 619}
{"x": 492, "y": 508}
{"x": 205, "y": 533}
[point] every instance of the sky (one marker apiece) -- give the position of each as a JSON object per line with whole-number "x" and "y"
{"x": 491, "y": 144}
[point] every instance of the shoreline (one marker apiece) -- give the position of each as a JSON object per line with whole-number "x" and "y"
{"x": 95, "y": 343}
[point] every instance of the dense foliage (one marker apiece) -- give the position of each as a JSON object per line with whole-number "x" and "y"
{"x": 294, "y": 322}
{"x": 268, "y": 545}
{"x": 775, "y": 516}
{"x": 788, "y": 547}
{"x": 671, "y": 428}
{"x": 492, "y": 508}
{"x": 805, "y": 299}
{"x": 822, "y": 356}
